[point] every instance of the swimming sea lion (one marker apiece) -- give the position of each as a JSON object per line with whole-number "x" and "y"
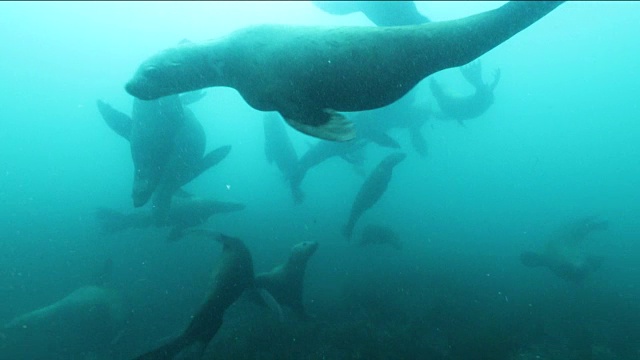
{"x": 150, "y": 131}
{"x": 372, "y": 189}
{"x": 234, "y": 274}
{"x": 184, "y": 213}
{"x": 308, "y": 73}
{"x": 564, "y": 253}
{"x": 381, "y": 13}
{"x": 377, "y": 235}
{"x": 284, "y": 282}
{"x": 462, "y": 108}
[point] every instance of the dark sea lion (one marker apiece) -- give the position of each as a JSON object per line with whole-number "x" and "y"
{"x": 308, "y": 73}
{"x": 381, "y": 13}
{"x": 378, "y": 235}
{"x": 372, "y": 189}
{"x": 284, "y": 282}
{"x": 184, "y": 213}
{"x": 150, "y": 131}
{"x": 234, "y": 274}
{"x": 462, "y": 108}
{"x": 564, "y": 253}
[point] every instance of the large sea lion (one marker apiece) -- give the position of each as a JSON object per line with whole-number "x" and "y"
{"x": 372, "y": 189}
{"x": 565, "y": 254}
{"x": 284, "y": 282}
{"x": 462, "y": 108}
{"x": 184, "y": 213}
{"x": 234, "y": 274}
{"x": 308, "y": 73}
{"x": 381, "y": 13}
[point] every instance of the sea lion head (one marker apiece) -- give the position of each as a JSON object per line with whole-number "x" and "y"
{"x": 175, "y": 70}
{"x": 300, "y": 253}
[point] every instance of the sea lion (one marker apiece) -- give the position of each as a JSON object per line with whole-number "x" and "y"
{"x": 309, "y": 73}
{"x": 90, "y": 319}
{"x": 150, "y": 131}
{"x": 462, "y": 108}
{"x": 184, "y": 213}
{"x": 284, "y": 282}
{"x": 234, "y": 274}
{"x": 381, "y": 13}
{"x": 372, "y": 189}
{"x": 564, "y": 253}
{"x": 378, "y": 235}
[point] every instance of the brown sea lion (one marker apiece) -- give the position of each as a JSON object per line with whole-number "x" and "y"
{"x": 308, "y": 73}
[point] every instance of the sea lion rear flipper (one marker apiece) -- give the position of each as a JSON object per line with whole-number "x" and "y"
{"x": 336, "y": 127}
{"x": 116, "y": 120}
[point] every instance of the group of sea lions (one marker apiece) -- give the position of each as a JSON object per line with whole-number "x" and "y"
{"x": 334, "y": 70}
{"x": 360, "y": 69}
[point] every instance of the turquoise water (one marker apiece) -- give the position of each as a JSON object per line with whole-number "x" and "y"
{"x": 559, "y": 143}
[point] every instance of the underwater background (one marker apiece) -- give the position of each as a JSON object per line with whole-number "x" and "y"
{"x": 559, "y": 143}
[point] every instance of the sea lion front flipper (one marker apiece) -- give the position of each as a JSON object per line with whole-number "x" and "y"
{"x": 116, "y": 120}
{"x": 336, "y": 127}
{"x": 209, "y": 160}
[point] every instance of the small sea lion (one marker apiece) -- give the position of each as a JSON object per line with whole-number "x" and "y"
{"x": 564, "y": 253}
{"x": 234, "y": 274}
{"x": 372, "y": 189}
{"x": 309, "y": 73}
{"x": 184, "y": 213}
{"x": 462, "y": 108}
{"x": 381, "y": 13}
{"x": 284, "y": 282}
{"x": 379, "y": 235}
